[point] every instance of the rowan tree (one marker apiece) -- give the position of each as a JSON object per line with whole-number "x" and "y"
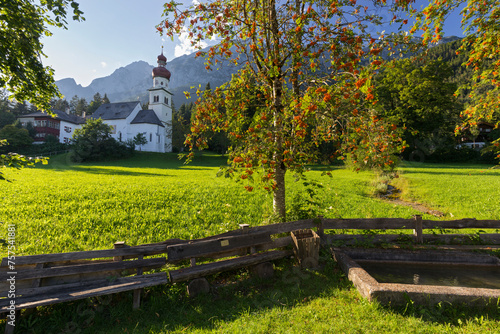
{"x": 305, "y": 79}
{"x": 481, "y": 24}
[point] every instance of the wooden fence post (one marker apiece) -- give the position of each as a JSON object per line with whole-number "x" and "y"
{"x": 136, "y": 303}
{"x": 417, "y": 232}
{"x": 244, "y": 230}
{"x": 321, "y": 231}
{"x": 118, "y": 244}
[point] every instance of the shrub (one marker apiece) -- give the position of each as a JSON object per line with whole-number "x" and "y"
{"x": 93, "y": 142}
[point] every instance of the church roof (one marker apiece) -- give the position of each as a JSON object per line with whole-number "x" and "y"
{"x": 147, "y": 116}
{"x": 118, "y": 110}
{"x": 161, "y": 72}
{"x": 60, "y": 115}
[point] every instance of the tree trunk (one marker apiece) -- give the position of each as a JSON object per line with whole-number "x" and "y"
{"x": 279, "y": 206}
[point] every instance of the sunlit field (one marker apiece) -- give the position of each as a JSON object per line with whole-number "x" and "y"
{"x": 458, "y": 190}
{"x": 65, "y": 207}
{"x": 153, "y": 197}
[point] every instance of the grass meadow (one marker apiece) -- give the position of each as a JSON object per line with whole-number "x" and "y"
{"x": 64, "y": 207}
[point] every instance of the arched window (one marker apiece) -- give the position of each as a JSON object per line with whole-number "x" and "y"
{"x": 166, "y": 100}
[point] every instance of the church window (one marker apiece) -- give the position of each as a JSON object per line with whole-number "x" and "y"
{"x": 166, "y": 100}
{"x": 162, "y": 83}
{"x": 150, "y": 137}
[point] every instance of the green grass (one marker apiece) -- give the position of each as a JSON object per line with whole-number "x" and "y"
{"x": 152, "y": 197}
{"x": 65, "y": 207}
{"x": 458, "y": 190}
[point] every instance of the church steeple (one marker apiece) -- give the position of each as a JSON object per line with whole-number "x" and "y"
{"x": 161, "y": 76}
{"x": 160, "y": 99}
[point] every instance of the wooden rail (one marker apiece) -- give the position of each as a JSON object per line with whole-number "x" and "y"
{"x": 76, "y": 275}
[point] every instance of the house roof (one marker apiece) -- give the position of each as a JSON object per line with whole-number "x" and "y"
{"x": 147, "y": 116}
{"x": 118, "y": 110}
{"x": 61, "y": 115}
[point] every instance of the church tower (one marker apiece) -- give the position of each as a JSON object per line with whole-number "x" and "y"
{"x": 160, "y": 99}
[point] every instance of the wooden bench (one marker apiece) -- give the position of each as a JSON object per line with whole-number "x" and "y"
{"x": 47, "y": 279}
{"x": 244, "y": 246}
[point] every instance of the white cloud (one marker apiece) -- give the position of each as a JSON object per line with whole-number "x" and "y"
{"x": 103, "y": 64}
{"x": 184, "y": 47}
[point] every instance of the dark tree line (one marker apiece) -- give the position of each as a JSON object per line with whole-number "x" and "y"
{"x": 20, "y": 138}
{"x": 419, "y": 94}
{"x": 79, "y": 106}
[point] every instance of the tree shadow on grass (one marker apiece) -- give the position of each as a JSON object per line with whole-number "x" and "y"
{"x": 449, "y": 169}
{"x": 144, "y": 162}
{"x": 167, "y": 308}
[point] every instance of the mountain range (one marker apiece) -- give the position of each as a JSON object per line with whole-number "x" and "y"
{"x": 131, "y": 83}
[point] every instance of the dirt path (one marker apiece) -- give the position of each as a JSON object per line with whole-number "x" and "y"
{"x": 392, "y": 196}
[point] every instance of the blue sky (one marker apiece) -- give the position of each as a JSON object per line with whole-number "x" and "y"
{"x": 119, "y": 32}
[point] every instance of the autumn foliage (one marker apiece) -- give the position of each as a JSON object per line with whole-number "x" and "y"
{"x": 305, "y": 83}
{"x": 480, "y": 21}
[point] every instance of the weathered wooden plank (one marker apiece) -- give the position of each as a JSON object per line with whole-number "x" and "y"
{"x": 209, "y": 248}
{"x": 422, "y": 255}
{"x": 283, "y": 227}
{"x": 276, "y": 243}
{"x": 352, "y": 239}
{"x": 486, "y": 238}
{"x": 461, "y": 223}
{"x": 52, "y": 289}
{"x": 106, "y": 253}
{"x": 225, "y": 265}
{"x": 63, "y": 293}
{"x": 368, "y": 224}
{"x": 85, "y": 268}
{"x": 269, "y": 229}
{"x": 58, "y": 280}
{"x": 401, "y": 223}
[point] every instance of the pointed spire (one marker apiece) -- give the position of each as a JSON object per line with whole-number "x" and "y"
{"x": 161, "y": 71}
{"x": 162, "y": 60}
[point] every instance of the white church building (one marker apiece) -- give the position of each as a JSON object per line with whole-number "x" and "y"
{"x": 127, "y": 119}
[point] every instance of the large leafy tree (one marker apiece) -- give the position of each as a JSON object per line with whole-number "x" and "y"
{"x": 22, "y": 24}
{"x": 16, "y": 138}
{"x": 305, "y": 80}
{"x": 420, "y": 97}
{"x": 481, "y": 23}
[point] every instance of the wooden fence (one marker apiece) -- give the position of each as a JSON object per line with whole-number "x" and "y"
{"x": 351, "y": 231}
{"x": 76, "y": 275}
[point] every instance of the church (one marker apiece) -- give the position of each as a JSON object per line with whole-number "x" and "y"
{"x": 127, "y": 119}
